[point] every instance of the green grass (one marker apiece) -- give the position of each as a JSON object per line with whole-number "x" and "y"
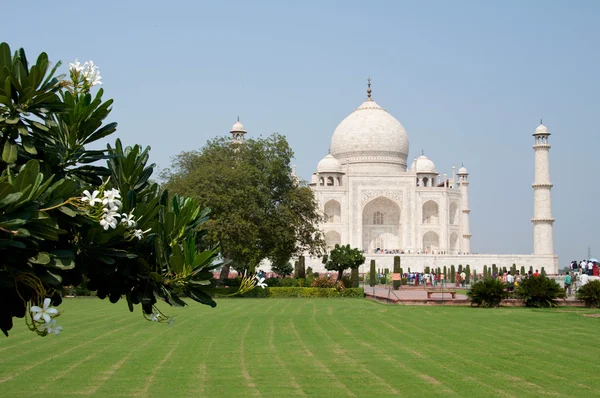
{"x": 305, "y": 347}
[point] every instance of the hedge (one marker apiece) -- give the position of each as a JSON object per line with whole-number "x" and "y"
{"x": 284, "y": 292}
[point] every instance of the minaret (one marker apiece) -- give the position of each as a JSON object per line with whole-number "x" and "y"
{"x": 463, "y": 180}
{"x": 543, "y": 240}
{"x": 238, "y": 132}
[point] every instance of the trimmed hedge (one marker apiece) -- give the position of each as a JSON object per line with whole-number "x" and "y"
{"x": 303, "y": 292}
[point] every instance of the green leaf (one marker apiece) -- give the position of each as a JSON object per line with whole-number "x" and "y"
{"x": 9, "y": 153}
{"x": 42, "y": 258}
{"x": 28, "y": 144}
{"x": 177, "y": 260}
{"x": 5, "y": 58}
{"x": 68, "y": 211}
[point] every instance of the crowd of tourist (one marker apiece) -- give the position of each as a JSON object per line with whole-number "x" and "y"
{"x": 412, "y": 251}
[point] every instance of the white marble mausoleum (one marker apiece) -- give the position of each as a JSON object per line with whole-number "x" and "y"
{"x": 375, "y": 199}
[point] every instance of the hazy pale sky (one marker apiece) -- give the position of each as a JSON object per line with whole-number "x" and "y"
{"x": 469, "y": 80}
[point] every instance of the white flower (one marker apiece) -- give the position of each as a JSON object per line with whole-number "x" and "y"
{"x": 52, "y": 328}
{"x": 76, "y": 67}
{"x": 171, "y": 321}
{"x": 138, "y": 233}
{"x": 260, "y": 281}
{"x": 91, "y": 197}
{"x": 92, "y": 74}
{"x": 111, "y": 199}
{"x": 154, "y": 316}
{"x": 128, "y": 220}
{"x": 45, "y": 312}
{"x": 109, "y": 219}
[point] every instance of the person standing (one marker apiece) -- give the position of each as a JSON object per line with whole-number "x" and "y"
{"x": 463, "y": 278}
{"x": 568, "y": 284}
{"x": 510, "y": 281}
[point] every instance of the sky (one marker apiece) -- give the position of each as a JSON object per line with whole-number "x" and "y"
{"x": 469, "y": 80}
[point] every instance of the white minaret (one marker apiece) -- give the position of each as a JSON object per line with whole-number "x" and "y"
{"x": 463, "y": 180}
{"x": 543, "y": 240}
{"x": 238, "y": 132}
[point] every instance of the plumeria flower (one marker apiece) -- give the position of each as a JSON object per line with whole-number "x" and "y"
{"x": 260, "y": 281}
{"x": 111, "y": 199}
{"x": 45, "y": 312}
{"x": 91, "y": 197}
{"x": 76, "y": 67}
{"x": 52, "y": 328}
{"x": 138, "y": 233}
{"x": 91, "y": 74}
{"x": 128, "y": 220}
{"x": 154, "y": 317}
{"x": 109, "y": 219}
{"x": 171, "y": 321}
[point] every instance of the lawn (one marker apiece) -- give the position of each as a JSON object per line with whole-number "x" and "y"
{"x": 305, "y": 347}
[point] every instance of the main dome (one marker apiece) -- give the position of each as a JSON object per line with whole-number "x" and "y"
{"x": 370, "y": 134}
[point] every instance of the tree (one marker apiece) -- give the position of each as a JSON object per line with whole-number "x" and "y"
{"x": 468, "y": 273}
{"x": 66, "y": 218}
{"x": 301, "y": 267}
{"x": 373, "y": 274}
{"x": 452, "y": 274}
{"x": 354, "y": 276}
{"x": 343, "y": 257}
{"x": 397, "y": 270}
{"x": 259, "y": 209}
{"x": 283, "y": 269}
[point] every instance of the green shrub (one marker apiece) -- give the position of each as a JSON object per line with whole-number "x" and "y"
{"x": 543, "y": 271}
{"x": 354, "y": 277}
{"x": 372, "y": 274}
{"x": 287, "y": 282}
{"x": 301, "y": 268}
{"x": 296, "y": 268}
{"x": 468, "y": 272}
{"x": 590, "y": 294}
{"x": 488, "y": 293}
{"x": 315, "y": 275}
{"x": 539, "y": 291}
{"x": 347, "y": 282}
{"x": 427, "y": 270}
{"x": 452, "y": 274}
{"x": 323, "y": 282}
{"x": 383, "y": 280}
{"x": 460, "y": 268}
{"x": 404, "y": 281}
{"x": 354, "y": 293}
{"x": 273, "y": 282}
{"x": 522, "y": 270}
{"x": 300, "y": 282}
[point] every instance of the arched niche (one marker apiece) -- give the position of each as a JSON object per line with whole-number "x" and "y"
{"x": 332, "y": 238}
{"x": 381, "y": 225}
{"x": 453, "y": 213}
{"x": 431, "y": 242}
{"x": 333, "y": 211}
{"x": 453, "y": 242}
{"x": 431, "y": 212}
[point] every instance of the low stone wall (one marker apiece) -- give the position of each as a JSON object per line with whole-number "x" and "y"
{"x": 418, "y": 262}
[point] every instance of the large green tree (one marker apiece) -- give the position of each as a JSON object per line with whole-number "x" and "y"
{"x": 259, "y": 209}
{"x": 65, "y": 217}
{"x": 343, "y": 257}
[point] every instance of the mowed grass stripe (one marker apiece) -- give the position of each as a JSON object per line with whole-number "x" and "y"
{"x": 305, "y": 347}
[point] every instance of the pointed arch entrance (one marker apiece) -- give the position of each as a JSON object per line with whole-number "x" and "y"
{"x": 381, "y": 225}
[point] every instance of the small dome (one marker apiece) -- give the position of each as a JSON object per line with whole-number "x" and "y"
{"x": 413, "y": 165}
{"x": 329, "y": 164}
{"x": 238, "y": 127}
{"x": 541, "y": 129}
{"x": 424, "y": 165}
{"x": 314, "y": 179}
{"x": 462, "y": 171}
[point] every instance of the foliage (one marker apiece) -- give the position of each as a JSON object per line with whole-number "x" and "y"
{"x": 283, "y": 269}
{"x": 383, "y": 280}
{"x": 452, "y": 274}
{"x": 468, "y": 273}
{"x": 324, "y": 282}
{"x": 301, "y": 267}
{"x": 343, "y": 257}
{"x": 65, "y": 218}
{"x": 260, "y": 210}
{"x": 590, "y": 294}
{"x": 272, "y": 282}
{"x": 354, "y": 277}
{"x": 488, "y": 293}
{"x": 287, "y": 282}
{"x": 539, "y": 291}
{"x": 372, "y": 274}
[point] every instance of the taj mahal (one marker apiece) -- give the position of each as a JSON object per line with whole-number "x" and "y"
{"x": 372, "y": 199}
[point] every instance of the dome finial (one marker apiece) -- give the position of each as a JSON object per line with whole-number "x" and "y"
{"x": 369, "y": 89}
{"x": 238, "y": 118}
{"x": 422, "y": 152}
{"x": 541, "y": 121}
